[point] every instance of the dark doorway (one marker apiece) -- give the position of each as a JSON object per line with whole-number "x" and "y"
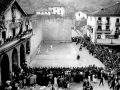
{"x": 28, "y": 48}
{"x": 4, "y": 35}
{"x": 14, "y": 61}
{"x": 5, "y": 73}
{"x": 14, "y": 32}
{"x": 22, "y": 56}
{"x": 21, "y": 29}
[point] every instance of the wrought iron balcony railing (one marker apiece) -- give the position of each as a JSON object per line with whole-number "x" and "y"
{"x": 117, "y": 24}
{"x": 99, "y": 22}
{"x": 107, "y": 31}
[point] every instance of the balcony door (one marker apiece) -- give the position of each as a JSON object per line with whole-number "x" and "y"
{"x": 108, "y": 19}
{"x": 14, "y": 32}
{"x": 4, "y": 35}
{"x": 117, "y": 20}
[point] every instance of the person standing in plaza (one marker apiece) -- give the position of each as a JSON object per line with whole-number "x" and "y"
{"x": 101, "y": 81}
{"x": 51, "y": 47}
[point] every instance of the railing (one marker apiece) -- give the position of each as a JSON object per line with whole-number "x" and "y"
{"x": 99, "y": 22}
{"x": 19, "y": 36}
{"x": 107, "y": 31}
{"x": 117, "y": 24}
{"x": 107, "y": 23}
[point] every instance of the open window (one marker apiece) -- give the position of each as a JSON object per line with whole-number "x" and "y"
{"x": 107, "y": 28}
{"x": 117, "y": 20}
{"x": 99, "y": 28}
{"x": 98, "y": 36}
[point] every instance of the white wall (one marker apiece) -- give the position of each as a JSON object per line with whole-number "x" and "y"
{"x": 57, "y": 30}
{"x": 112, "y": 24}
{"x": 18, "y": 14}
{"x": 92, "y": 21}
{"x": 36, "y": 39}
{"x": 80, "y": 15}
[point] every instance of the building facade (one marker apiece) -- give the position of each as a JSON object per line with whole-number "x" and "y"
{"x": 15, "y": 34}
{"x": 81, "y": 15}
{"x": 57, "y": 9}
{"x": 104, "y": 24}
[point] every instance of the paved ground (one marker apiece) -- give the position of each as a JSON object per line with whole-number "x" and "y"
{"x": 64, "y": 55}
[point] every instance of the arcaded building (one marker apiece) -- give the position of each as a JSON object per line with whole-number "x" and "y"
{"x": 15, "y": 34}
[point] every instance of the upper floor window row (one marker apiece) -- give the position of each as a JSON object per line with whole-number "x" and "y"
{"x": 107, "y": 18}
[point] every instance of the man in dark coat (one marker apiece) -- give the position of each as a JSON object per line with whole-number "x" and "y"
{"x": 101, "y": 81}
{"x": 78, "y": 57}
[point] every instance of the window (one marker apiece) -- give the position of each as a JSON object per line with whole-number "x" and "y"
{"x": 107, "y": 19}
{"x": 117, "y": 20}
{"x": 99, "y": 18}
{"x": 99, "y": 28}
{"x": 4, "y": 35}
{"x": 98, "y": 36}
{"x": 99, "y": 21}
{"x": 107, "y": 28}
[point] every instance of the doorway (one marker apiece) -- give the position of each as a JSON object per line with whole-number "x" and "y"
{"x": 5, "y": 71}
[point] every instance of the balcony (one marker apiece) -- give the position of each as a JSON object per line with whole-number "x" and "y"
{"x": 25, "y": 34}
{"x": 99, "y": 22}
{"x": 117, "y": 24}
{"x": 100, "y": 31}
{"x": 107, "y": 23}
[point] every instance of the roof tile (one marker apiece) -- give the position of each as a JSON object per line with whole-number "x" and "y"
{"x": 113, "y": 10}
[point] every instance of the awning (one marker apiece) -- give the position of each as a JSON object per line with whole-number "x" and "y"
{"x": 14, "y": 25}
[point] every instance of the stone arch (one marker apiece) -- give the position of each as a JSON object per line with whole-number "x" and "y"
{"x": 22, "y": 55}
{"x": 28, "y": 47}
{"x": 5, "y": 69}
{"x": 14, "y": 60}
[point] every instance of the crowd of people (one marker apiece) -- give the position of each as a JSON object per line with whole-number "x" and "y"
{"x": 55, "y": 76}
{"x": 61, "y": 77}
{"x": 109, "y": 57}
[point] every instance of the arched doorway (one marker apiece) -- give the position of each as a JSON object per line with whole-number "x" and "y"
{"x": 28, "y": 48}
{"x": 22, "y": 55}
{"x": 14, "y": 60}
{"x": 5, "y": 71}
